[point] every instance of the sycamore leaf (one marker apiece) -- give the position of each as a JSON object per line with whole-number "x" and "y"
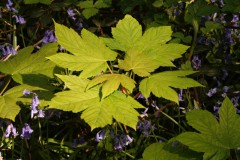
{"x": 74, "y": 82}
{"x": 144, "y": 53}
{"x": 159, "y": 84}
{"x": 169, "y": 151}
{"x": 127, "y": 32}
{"x": 95, "y": 112}
{"x": 112, "y": 83}
{"x": 25, "y": 63}
{"x": 153, "y": 37}
{"x": 215, "y": 139}
{"x": 90, "y": 53}
{"x": 142, "y": 62}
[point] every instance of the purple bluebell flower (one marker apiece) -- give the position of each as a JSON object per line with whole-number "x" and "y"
{"x": 144, "y": 126}
{"x": 79, "y": 24}
{"x": 121, "y": 141}
{"x": 225, "y": 90}
{"x": 180, "y": 96}
{"x": 197, "y": 63}
{"x": 144, "y": 113}
{"x": 41, "y": 114}
{"x": 49, "y": 37}
{"x": 7, "y": 50}
{"x": 9, "y": 7}
{"x": 235, "y": 20}
{"x": 176, "y": 12}
{"x": 211, "y": 92}
{"x": 0, "y": 13}
{"x": 154, "y": 105}
{"x": 19, "y": 19}
{"x": 10, "y": 129}
{"x": 228, "y": 36}
{"x": 182, "y": 6}
{"x": 26, "y": 92}
{"x": 101, "y": 135}
{"x": 235, "y": 101}
{"x": 35, "y": 103}
{"x": 221, "y": 3}
{"x": 71, "y": 13}
{"x": 26, "y": 131}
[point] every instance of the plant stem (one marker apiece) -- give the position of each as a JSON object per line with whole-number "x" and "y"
{"x": 173, "y": 120}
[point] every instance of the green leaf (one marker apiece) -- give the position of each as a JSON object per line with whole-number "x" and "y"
{"x": 90, "y": 53}
{"x": 86, "y": 4}
{"x": 140, "y": 63}
{"x": 201, "y": 143}
{"x": 127, "y": 32}
{"x": 215, "y": 139}
{"x": 231, "y": 6}
{"x": 89, "y": 12}
{"x": 74, "y": 82}
{"x": 95, "y": 112}
{"x": 102, "y": 4}
{"x": 157, "y": 3}
{"x": 112, "y": 83}
{"x": 169, "y": 151}
{"x": 159, "y": 84}
{"x": 154, "y": 37}
{"x": 25, "y": 63}
{"x": 197, "y": 9}
{"x": 47, "y": 2}
{"x": 144, "y": 62}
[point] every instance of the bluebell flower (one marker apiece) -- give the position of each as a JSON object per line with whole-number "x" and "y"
{"x": 228, "y": 36}
{"x": 101, "y": 135}
{"x": 26, "y": 92}
{"x": 35, "y": 103}
{"x": 144, "y": 126}
{"x": 41, "y": 114}
{"x": 19, "y": 19}
{"x": 49, "y": 37}
{"x": 26, "y": 131}
{"x": 235, "y": 101}
{"x": 235, "y": 20}
{"x": 221, "y": 3}
{"x": 154, "y": 105}
{"x": 182, "y": 6}
{"x": 180, "y": 95}
{"x": 197, "y": 63}
{"x": 144, "y": 113}
{"x": 211, "y": 92}
{"x": 121, "y": 141}
{"x": 225, "y": 90}
{"x": 0, "y": 13}
{"x": 10, "y": 129}
{"x": 9, "y": 7}
{"x": 71, "y": 13}
{"x": 7, "y": 50}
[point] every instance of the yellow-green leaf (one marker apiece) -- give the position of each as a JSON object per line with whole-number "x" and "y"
{"x": 95, "y": 112}
{"x": 112, "y": 83}
{"x": 160, "y": 84}
{"x": 90, "y": 53}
